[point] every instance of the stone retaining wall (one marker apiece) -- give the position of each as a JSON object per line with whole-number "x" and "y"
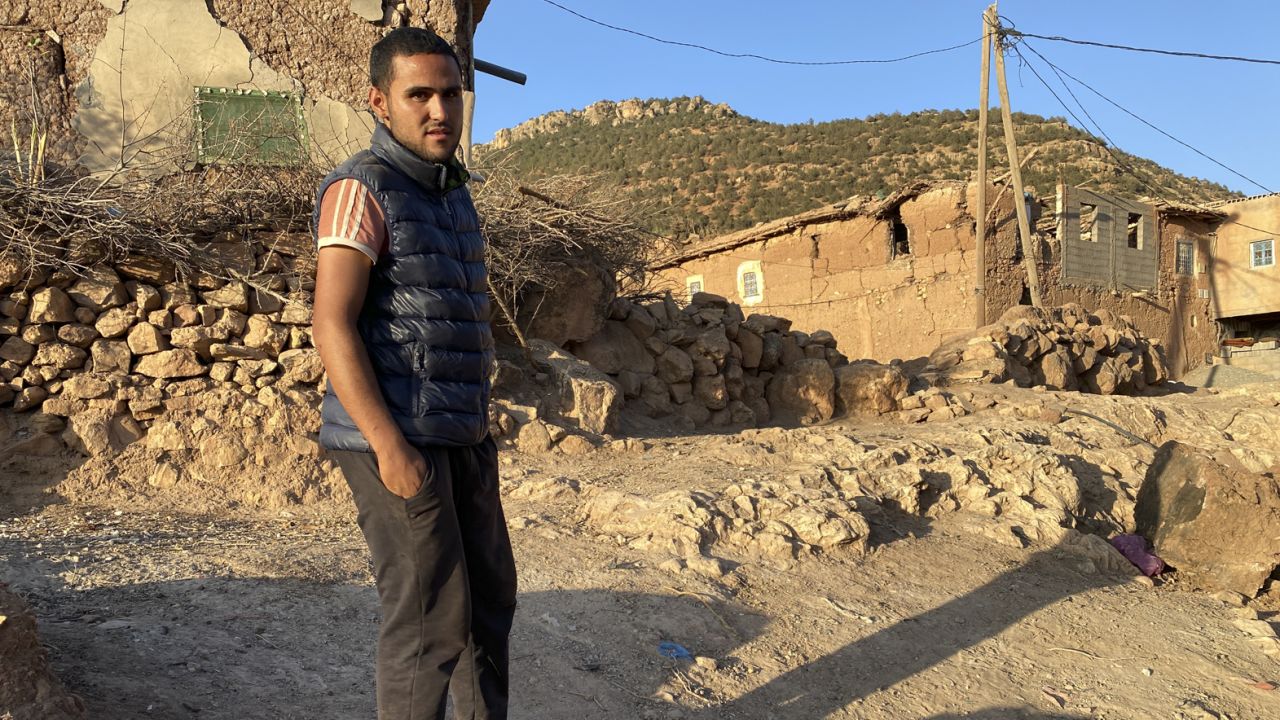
{"x": 133, "y": 337}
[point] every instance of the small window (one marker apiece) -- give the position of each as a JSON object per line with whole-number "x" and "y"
{"x": 1261, "y": 254}
{"x": 1088, "y": 216}
{"x": 693, "y": 284}
{"x": 249, "y": 127}
{"x": 1133, "y": 230}
{"x": 751, "y": 282}
{"x": 1184, "y": 263}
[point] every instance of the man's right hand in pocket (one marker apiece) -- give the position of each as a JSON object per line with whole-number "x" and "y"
{"x": 402, "y": 469}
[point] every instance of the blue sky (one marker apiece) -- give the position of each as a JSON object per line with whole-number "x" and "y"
{"x": 1228, "y": 110}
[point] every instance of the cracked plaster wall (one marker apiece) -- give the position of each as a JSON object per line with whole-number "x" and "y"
{"x": 839, "y": 276}
{"x": 135, "y": 107}
{"x": 70, "y": 53}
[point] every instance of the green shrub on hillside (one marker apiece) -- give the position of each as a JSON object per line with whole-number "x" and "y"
{"x": 716, "y": 175}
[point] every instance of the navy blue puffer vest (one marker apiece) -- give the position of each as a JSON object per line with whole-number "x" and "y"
{"x": 425, "y": 321}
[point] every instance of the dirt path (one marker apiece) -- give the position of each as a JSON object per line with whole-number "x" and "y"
{"x": 158, "y": 614}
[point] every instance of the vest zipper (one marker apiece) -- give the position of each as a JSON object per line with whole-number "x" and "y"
{"x": 448, "y": 211}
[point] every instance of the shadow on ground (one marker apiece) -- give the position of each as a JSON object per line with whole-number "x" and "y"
{"x": 230, "y": 647}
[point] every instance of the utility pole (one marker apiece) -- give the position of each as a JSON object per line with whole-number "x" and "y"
{"x": 989, "y": 19}
{"x": 469, "y": 92}
{"x": 1019, "y": 199}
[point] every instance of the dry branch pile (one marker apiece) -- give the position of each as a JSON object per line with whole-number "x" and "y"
{"x": 59, "y": 222}
{"x": 536, "y": 231}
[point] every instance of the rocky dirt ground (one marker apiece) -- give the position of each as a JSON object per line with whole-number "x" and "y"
{"x": 857, "y": 569}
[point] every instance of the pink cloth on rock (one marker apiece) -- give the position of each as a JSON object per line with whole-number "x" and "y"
{"x": 1134, "y": 548}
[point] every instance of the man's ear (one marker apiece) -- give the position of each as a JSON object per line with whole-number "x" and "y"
{"x": 378, "y": 103}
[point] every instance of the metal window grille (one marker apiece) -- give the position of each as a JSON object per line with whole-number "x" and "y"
{"x": 695, "y": 286}
{"x": 1184, "y": 263}
{"x": 750, "y": 285}
{"x": 249, "y": 127}
{"x": 1262, "y": 253}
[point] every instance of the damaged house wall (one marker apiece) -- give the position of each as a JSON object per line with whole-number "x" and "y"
{"x": 889, "y": 279}
{"x": 116, "y": 78}
{"x": 895, "y": 279}
{"x": 1104, "y": 272}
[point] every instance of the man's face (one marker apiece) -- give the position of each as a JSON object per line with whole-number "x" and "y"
{"x": 422, "y": 105}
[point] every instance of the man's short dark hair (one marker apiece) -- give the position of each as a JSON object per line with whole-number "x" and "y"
{"x": 401, "y": 42}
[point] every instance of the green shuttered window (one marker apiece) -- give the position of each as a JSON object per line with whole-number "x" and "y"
{"x": 249, "y": 127}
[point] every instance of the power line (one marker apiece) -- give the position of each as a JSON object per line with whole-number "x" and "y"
{"x": 1150, "y": 184}
{"x": 1146, "y": 122}
{"x": 1177, "y": 53}
{"x": 1108, "y": 144}
{"x": 754, "y": 56}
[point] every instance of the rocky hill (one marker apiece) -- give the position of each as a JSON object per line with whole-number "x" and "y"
{"x": 712, "y": 170}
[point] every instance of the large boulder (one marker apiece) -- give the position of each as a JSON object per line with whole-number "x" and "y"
{"x": 265, "y": 335}
{"x": 145, "y": 339}
{"x": 868, "y": 388}
{"x": 15, "y": 349}
{"x": 712, "y": 345}
{"x": 59, "y": 355}
{"x": 710, "y": 390}
{"x": 111, "y": 356}
{"x": 1210, "y": 518}
{"x": 615, "y": 349}
{"x": 751, "y": 346}
{"x": 572, "y": 311}
{"x": 803, "y": 392}
{"x": 302, "y": 364}
{"x": 675, "y": 366}
{"x": 234, "y": 295}
{"x": 586, "y": 394}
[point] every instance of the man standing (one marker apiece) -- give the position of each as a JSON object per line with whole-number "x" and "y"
{"x": 402, "y": 325}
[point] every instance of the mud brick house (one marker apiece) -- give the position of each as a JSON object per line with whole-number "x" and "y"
{"x": 892, "y": 278}
{"x": 1246, "y": 282}
{"x": 160, "y": 85}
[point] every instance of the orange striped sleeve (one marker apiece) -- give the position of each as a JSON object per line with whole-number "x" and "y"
{"x": 350, "y": 216}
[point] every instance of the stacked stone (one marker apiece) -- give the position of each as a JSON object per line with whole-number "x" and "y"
{"x": 130, "y": 336}
{"x": 707, "y": 365}
{"x": 1063, "y": 348}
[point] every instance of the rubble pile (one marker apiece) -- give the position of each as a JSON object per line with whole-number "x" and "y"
{"x": 1063, "y": 348}
{"x": 762, "y": 519}
{"x": 1029, "y": 492}
{"x": 706, "y": 364}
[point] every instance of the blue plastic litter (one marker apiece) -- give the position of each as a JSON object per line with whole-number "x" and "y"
{"x": 675, "y": 651}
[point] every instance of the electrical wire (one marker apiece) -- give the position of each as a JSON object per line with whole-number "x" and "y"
{"x": 1175, "y": 53}
{"x": 1150, "y": 184}
{"x": 1146, "y": 122}
{"x": 754, "y": 56}
{"x": 1108, "y": 144}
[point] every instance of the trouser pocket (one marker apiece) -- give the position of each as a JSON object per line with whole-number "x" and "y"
{"x": 429, "y": 497}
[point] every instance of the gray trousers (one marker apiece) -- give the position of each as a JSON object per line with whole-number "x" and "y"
{"x": 446, "y": 583}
